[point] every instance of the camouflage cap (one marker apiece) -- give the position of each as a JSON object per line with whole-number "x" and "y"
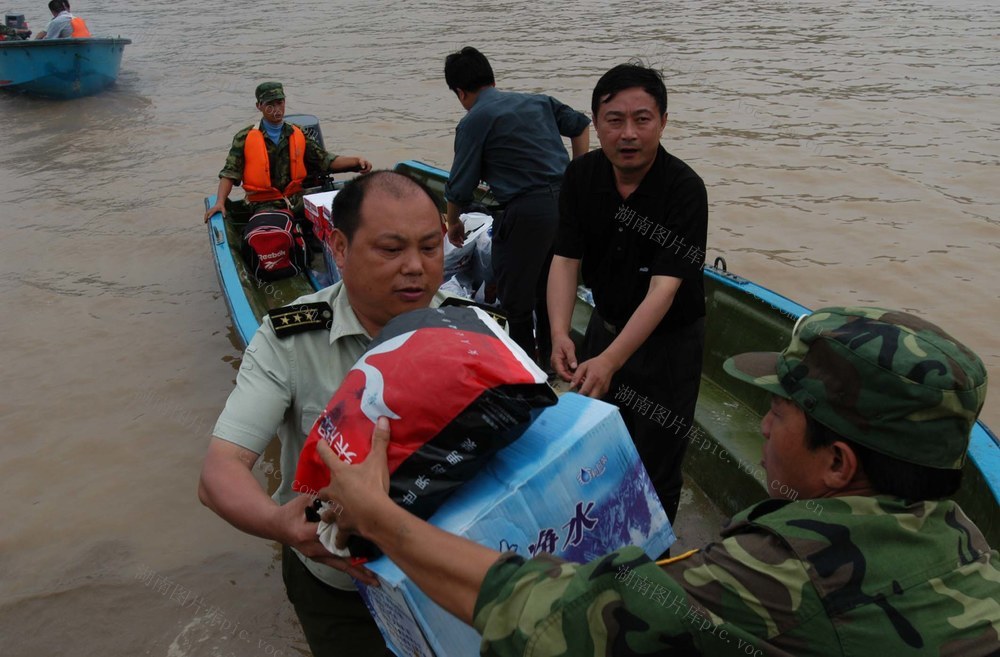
{"x": 885, "y": 379}
{"x": 267, "y": 91}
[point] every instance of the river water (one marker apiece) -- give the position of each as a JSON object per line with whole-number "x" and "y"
{"x": 850, "y": 151}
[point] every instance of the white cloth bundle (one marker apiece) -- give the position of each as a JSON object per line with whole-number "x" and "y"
{"x": 327, "y": 532}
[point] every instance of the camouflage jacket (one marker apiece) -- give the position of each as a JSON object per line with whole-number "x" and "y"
{"x": 839, "y": 576}
{"x": 317, "y": 160}
{"x": 11, "y": 34}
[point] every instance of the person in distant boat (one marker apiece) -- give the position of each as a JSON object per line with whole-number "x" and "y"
{"x": 870, "y": 421}
{"x": 635, "y": 219}
{"x": 80, "y": 29}
{"x": 513, "y": 141}
{"x": 272, "y": 158}
{"x": 63, "y": 25}
{"x": 388, "y": 245}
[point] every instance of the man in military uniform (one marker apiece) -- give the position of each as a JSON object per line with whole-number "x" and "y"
{"x": 388, "y": 245}
{"x": 271, "y": 160}
{"x": 871, "y": 414}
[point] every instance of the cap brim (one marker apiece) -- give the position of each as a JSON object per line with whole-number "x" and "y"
{"x": 757, "y": 368}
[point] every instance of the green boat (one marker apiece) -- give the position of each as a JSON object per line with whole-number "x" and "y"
{"x": 722, "y": 470}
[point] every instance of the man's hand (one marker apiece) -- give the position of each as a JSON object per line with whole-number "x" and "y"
{"x": 297, "y": 532}
{"x": 294, "y": 530}
{"x": 357, "y": 491}
{"x": 456, "y": 233}
{"x": 363, "y": 166}
{"x": 353, "y": 163}
{"x": 564, "y": 357}
{"x": 225, "y": 187}
{"x": 448, "y": 568}
{"x": 220, "y": 206}
{"x": 593, "y": 377}
{"x": 227, "y": 486}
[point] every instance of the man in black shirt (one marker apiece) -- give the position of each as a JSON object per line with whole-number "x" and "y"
{"x": 637, "y": 219}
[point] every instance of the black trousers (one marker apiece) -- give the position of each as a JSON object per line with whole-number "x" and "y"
{"x": 523, "y": 235}
{"x": 656, "y": 391}
{"x": 336, "y": 623}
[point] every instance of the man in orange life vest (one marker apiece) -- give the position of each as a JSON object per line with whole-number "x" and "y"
{"x": 63, "y": 25}
{"x": 272, "y": 158}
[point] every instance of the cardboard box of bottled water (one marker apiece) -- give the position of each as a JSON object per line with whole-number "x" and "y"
{"x": 572, "y": 486}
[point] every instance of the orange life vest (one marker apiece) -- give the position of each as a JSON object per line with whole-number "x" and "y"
{"x": 79, "y": 28}
{"x": 257, "y": 167}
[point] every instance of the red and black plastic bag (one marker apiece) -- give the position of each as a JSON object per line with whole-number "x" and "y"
{"x": 273, "y": 246}
{"x": 456, "y": 390}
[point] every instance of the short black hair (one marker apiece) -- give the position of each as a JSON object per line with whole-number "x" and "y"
{"x": 889, "y": 475}
{"x": 468, "y": 70}
{"x": 626, "y": 76}
{"x": 346, "y": 209}
{"x": 57, "y": 5}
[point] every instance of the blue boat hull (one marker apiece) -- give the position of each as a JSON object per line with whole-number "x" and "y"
{"x": 61, "y": 68}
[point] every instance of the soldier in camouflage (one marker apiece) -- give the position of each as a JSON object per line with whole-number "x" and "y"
{"x": 271, "y": 104}
{"x": 871, "y": 413}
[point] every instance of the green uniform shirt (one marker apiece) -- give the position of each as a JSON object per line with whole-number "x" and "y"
{"x": 317, "y": 160}
{"x": 285, "y": 383}
{"x": 853, "y": 576}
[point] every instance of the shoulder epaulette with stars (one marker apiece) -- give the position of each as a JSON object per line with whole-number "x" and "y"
{"x": 301, "y": 317}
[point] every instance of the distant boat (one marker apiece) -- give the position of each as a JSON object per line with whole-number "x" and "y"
{"x": 61, "y": 68}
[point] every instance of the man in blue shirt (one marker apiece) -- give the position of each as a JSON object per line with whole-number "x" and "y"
{"x": 61, "y": 25}
{"x": 513, "y": 141}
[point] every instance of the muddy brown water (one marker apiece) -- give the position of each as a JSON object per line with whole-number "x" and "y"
{"x": 850, "y": 151}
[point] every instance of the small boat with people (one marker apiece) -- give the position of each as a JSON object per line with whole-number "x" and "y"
{"x": 57, "y": 68}
{"x": 741, "y": 316}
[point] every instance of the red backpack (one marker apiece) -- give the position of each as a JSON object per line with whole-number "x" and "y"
{"x": 273, "y": 246}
